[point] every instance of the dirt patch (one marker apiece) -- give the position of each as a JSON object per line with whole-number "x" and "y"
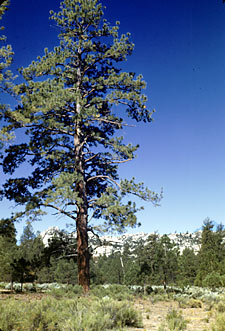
{"x": 21, "y": 296}
{"x": 154, "y": 314}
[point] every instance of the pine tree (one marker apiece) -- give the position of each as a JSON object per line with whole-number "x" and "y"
{"x": 6, "y": 55}
{"x": 188, "y": 265}
{"x": 8, "y": 249}
{"x": 30, "y": 256}
{"x": 211, "y": 254}
{"x": 6, "y": 77}
{"x": 71, "y": 110}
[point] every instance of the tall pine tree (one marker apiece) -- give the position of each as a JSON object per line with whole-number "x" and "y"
{"x": 71, "y": 112}
{"x": 6, "y": 77}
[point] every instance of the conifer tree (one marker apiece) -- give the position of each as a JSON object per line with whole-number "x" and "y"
{"x": 6, "y": 77}
{"x": 211, "y": 254}
{"x": 8, "y": 249}
{"x": 6, "y": 55}
{"x": 72, "y": 104}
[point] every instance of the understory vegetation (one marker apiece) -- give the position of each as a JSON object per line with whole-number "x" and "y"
{"x": 57, "y": 312}
{"x": 107, "y": 307}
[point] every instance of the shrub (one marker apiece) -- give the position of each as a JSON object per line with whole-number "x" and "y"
{"x": 16, "y": 287}
{"x": 219, "y": 324}
{"x": 221, "y": 307}
{"x": 175, "y": 321}
{"x": 189, "y": 303}
{"x": 8, "y": 316}
{"x": 29, "y": 287}
{"x": 66, "y": 291}
{"x": 116, "y": 292}
{"x": 159, "y": 297}
{"x": 77, "y": 314}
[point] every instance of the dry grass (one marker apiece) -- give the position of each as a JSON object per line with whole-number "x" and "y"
{"x": 154, "y": 314}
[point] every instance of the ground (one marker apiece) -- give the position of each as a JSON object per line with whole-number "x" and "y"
{"x": 153, "y": 313}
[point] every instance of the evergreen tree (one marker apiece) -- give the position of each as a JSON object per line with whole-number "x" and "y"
{"x": 71, "y": 112}
{"x": 8, "y": 249}
{"x": 30, "y": 256}
{"x": 61, "y": 245}
{"x": 59, "y": 259}
{"x": 149, "y": 258}
{"x": 169, "y": 259}
{"x": 158, "y": 260}
{"x": 6, "y": 77}
{"x": 212, "y": 251}
{"x": 7, "y": 228}
{"x": 108, "y": 269}
{"x": 188, "y": 266}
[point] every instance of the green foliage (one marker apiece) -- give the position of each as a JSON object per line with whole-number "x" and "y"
{"x": 185, "y": 302}
{"x": 188, "y": 266}
{"x": 212, "y": 280}
{"x": 108, "y": 269}
{"x": 6, "y": 54}
{"x": 211, "y": 254}
{"x": 175, "y": 321}
{"x": 59, "y": 260}
{"x": 67, "y": 111}
{"x": 157, "y": 259}
{"x": 7, "y": 228}
{"x": 221, "y": 306}
{"x": 64, "y": 271}
{"x": 81, "y": 314}
{"x": 8, "y": 249}
{"x": 6, "y": 76}
{"x": 73, "y": 102}
{"x": 68, "y": 291}
{"x": 29, "y": 258}
{"x": 219, "y": 324}
{"x": 116, "y": 292}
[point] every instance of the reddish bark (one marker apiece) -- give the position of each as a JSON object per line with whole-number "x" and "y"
{"x": 83, "y": 251}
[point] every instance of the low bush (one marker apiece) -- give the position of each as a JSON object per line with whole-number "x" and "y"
{"x": 69, "y": 291}
{"x": 189, "y": 303}
{"x": 159, "y": 297}
{"x": 175, "y": 321}
{"x": 221, "y": 307}
{"x": 219, "y": 324}
{"x": 78, "y": 314}
{"x": 116, "y": 292}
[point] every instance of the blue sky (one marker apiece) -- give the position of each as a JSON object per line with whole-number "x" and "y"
{"x": 180, "y": 50}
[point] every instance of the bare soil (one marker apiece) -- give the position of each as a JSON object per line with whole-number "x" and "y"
{"x": 154, "y": 314}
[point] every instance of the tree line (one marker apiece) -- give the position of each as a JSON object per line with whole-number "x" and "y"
{"x": 158, "y": 260}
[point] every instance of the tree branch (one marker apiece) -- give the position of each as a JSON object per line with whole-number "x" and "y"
{"x": 108, "y": 177}
{"x": 59, "y": 210}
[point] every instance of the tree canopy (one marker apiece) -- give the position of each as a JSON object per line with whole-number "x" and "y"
{"x": 72, "y": 109}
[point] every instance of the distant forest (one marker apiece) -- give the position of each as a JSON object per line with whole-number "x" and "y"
{"x": 155, "y": 261}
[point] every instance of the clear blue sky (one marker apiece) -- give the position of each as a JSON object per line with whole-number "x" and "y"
{"x": 180, "y": 50}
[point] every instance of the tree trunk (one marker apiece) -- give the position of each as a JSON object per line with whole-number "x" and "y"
{"x": 82, "y": 250}
{"x": 82, "y": 220}
{"x": 82, "y": 207}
